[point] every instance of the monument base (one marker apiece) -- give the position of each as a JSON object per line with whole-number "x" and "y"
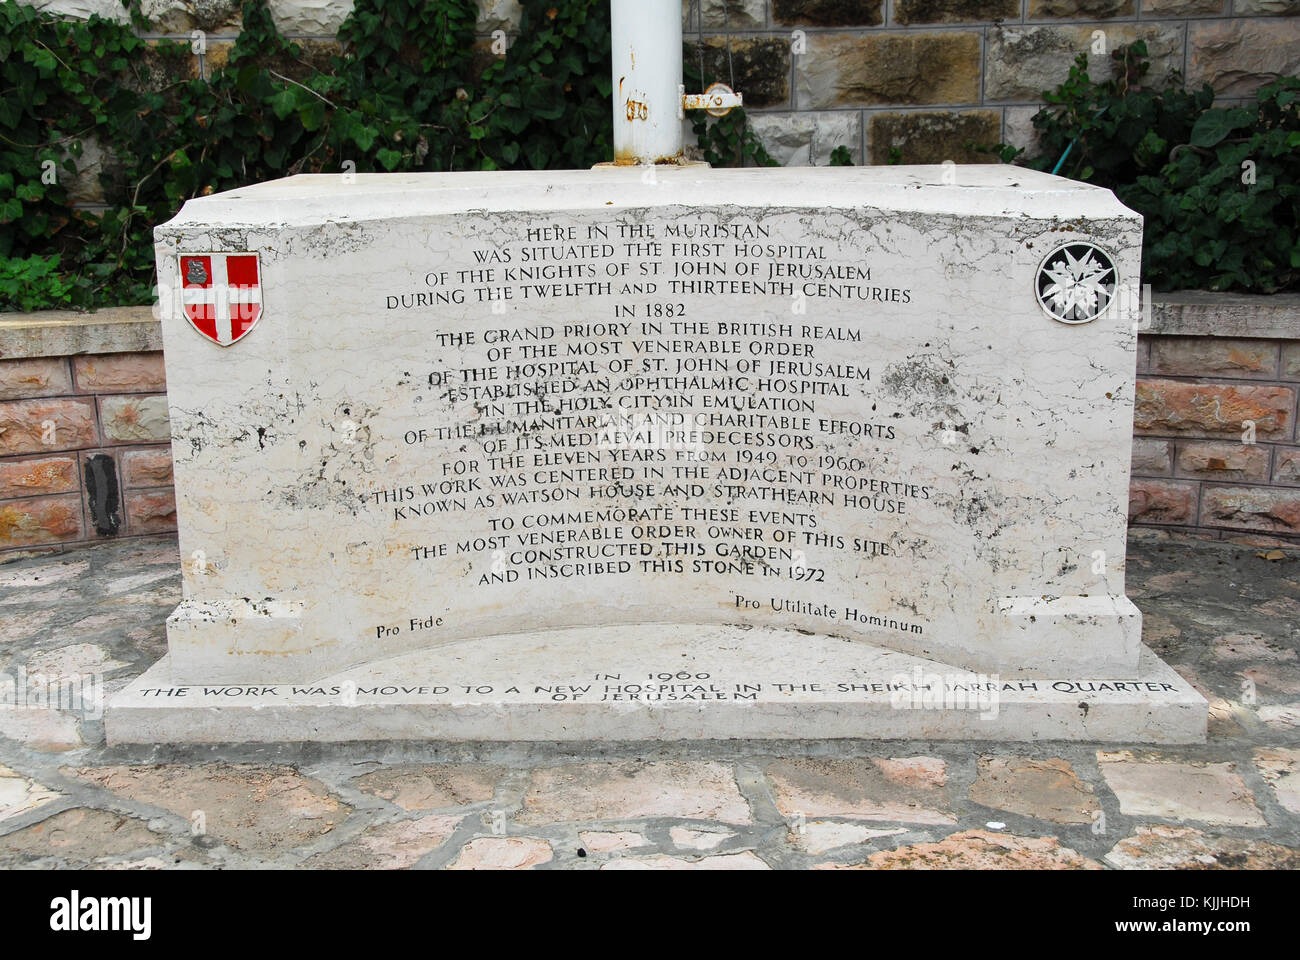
{"x": 662, "y": 682}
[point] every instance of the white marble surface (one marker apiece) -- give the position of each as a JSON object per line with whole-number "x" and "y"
{"x": 1010, "y": 429}
{"x": 663, "y": 682}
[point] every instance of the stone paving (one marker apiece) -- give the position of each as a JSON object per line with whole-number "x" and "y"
{"x": 1226, "y": 615}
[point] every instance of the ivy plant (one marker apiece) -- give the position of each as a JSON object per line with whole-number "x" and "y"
{"x": 1218, "y": 187}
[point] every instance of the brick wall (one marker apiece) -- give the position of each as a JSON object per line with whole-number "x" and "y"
{"x": 85, "y": 449}
{"x": 1196, "y": 461}
{"x": 920, "y": 81}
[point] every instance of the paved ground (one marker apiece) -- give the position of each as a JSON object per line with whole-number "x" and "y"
{"x": 1226, "y": 615}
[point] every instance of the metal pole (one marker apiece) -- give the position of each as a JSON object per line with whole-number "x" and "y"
{"x": 647, "y": 76}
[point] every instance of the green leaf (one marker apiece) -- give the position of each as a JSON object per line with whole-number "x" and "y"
{"x": 284, "y": 103}
{"x": 364, "y": 137}
{"x": 1214, "y": 125}
{"x": 312, "y": 115}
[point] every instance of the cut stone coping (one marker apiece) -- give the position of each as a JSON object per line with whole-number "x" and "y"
{"x": 63, "y": 333}
{"x": 1199, "y": 313}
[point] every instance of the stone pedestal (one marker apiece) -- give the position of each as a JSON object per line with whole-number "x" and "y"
{"x": 493, "y": 425}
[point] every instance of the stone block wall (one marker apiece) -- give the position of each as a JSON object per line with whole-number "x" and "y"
{"x": 923, "y": 81}
{"x": 85, "y": 448}
{"x": 1215, "y": 445}
{"x": 911, "y": 81}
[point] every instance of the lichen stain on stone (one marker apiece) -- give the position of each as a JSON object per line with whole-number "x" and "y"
{"x": 350, "y": 454}
{"x": 925, "y": 382}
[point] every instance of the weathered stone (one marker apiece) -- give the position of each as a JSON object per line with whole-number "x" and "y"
{"x": 135, "y": 419}
{"x": 41, "y": 728}
{"x": 34, "y": 377}
{"x": 1157, "y": 629}
{"x": 38, "y": 475}
{"x": 149, "y": 467}
{"x": 22, "y": 626}
{"x": 1184, "y": 8}
{"x": 818, "y": 836}
{"x": 1282, "y": 8}
{"x": 433, "y": 786}
{"x": 923, "y": 772}
{"x": 503, "y": 853}
{"x": 66, "y": 568}
{"x": 389, "y": 846}
{"x": 688, "y": 839}
{"x": 40, "y": 520}
{"x": 312, "y": 18}
{"x": 1079, "y": 9}
{"x": 828, "y": 13}
{"x": 1152, "y": 458}
{"x": 761, "y": 68}
{"x": 955, "y": 11}
{"x": 1283, "y": 716}
{"x": 732, "y": 14}
{"x": 1243, "y": 646}
{"x": 1274, "y": 677}
{"x": 44, "y": 426}
{"x": 211, "y": 16}
{"x": 1237, "y": 57}
{"x": 282, "y": 461}
{"x": 73, "y": 662}
{"x": 83, "y": 9}
{"x": 1023, "y": 61}
{"x": 151, "y": 511}
{"x": 1161, "y": 501}
{"x": 19, "y": 794}
{"x": 1222, "y": 460}
{"x": 695, "y": 790}
{"x": 63, "y": 333}
{"x": 1214, "y": 356}
{"x": 1166, "y": 847}
{"x": 934, "y": 137}
{"x": 1206, "y": 792}
{"x": 597, "y": 841}
{"x": 858, "y": 789}
{"x": 1280, "y": 767}
{"x": 497, "y": 15}
{"x": 1281, "y": 607}
{"x": 1286, "y": 465}
{"x": 746, "y": 860}
{"x": 808, "y": 138}
{"x": 1213, "y": 409}
{"x": 78, "y": 836}
{"x": 1291, "y": 361}
{"x": 93, "y": 162}
{"x": 977, "y": 850}
{"x": 266, "y": 809}
{"x": 120, "y": 373}
{"x": 1047, "y": 789}
{"x": 1018, "y": 130}
{"x": 851, "y": 69}
{"x": 1275, "y": 509}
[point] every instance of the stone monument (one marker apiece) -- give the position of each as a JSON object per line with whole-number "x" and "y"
{"x": 654, "y": 452}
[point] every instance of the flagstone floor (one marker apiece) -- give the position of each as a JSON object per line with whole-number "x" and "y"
{"x": 1226, "y": 615}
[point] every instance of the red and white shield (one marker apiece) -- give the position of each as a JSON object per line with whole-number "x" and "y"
{"x": 222, "y": 294}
